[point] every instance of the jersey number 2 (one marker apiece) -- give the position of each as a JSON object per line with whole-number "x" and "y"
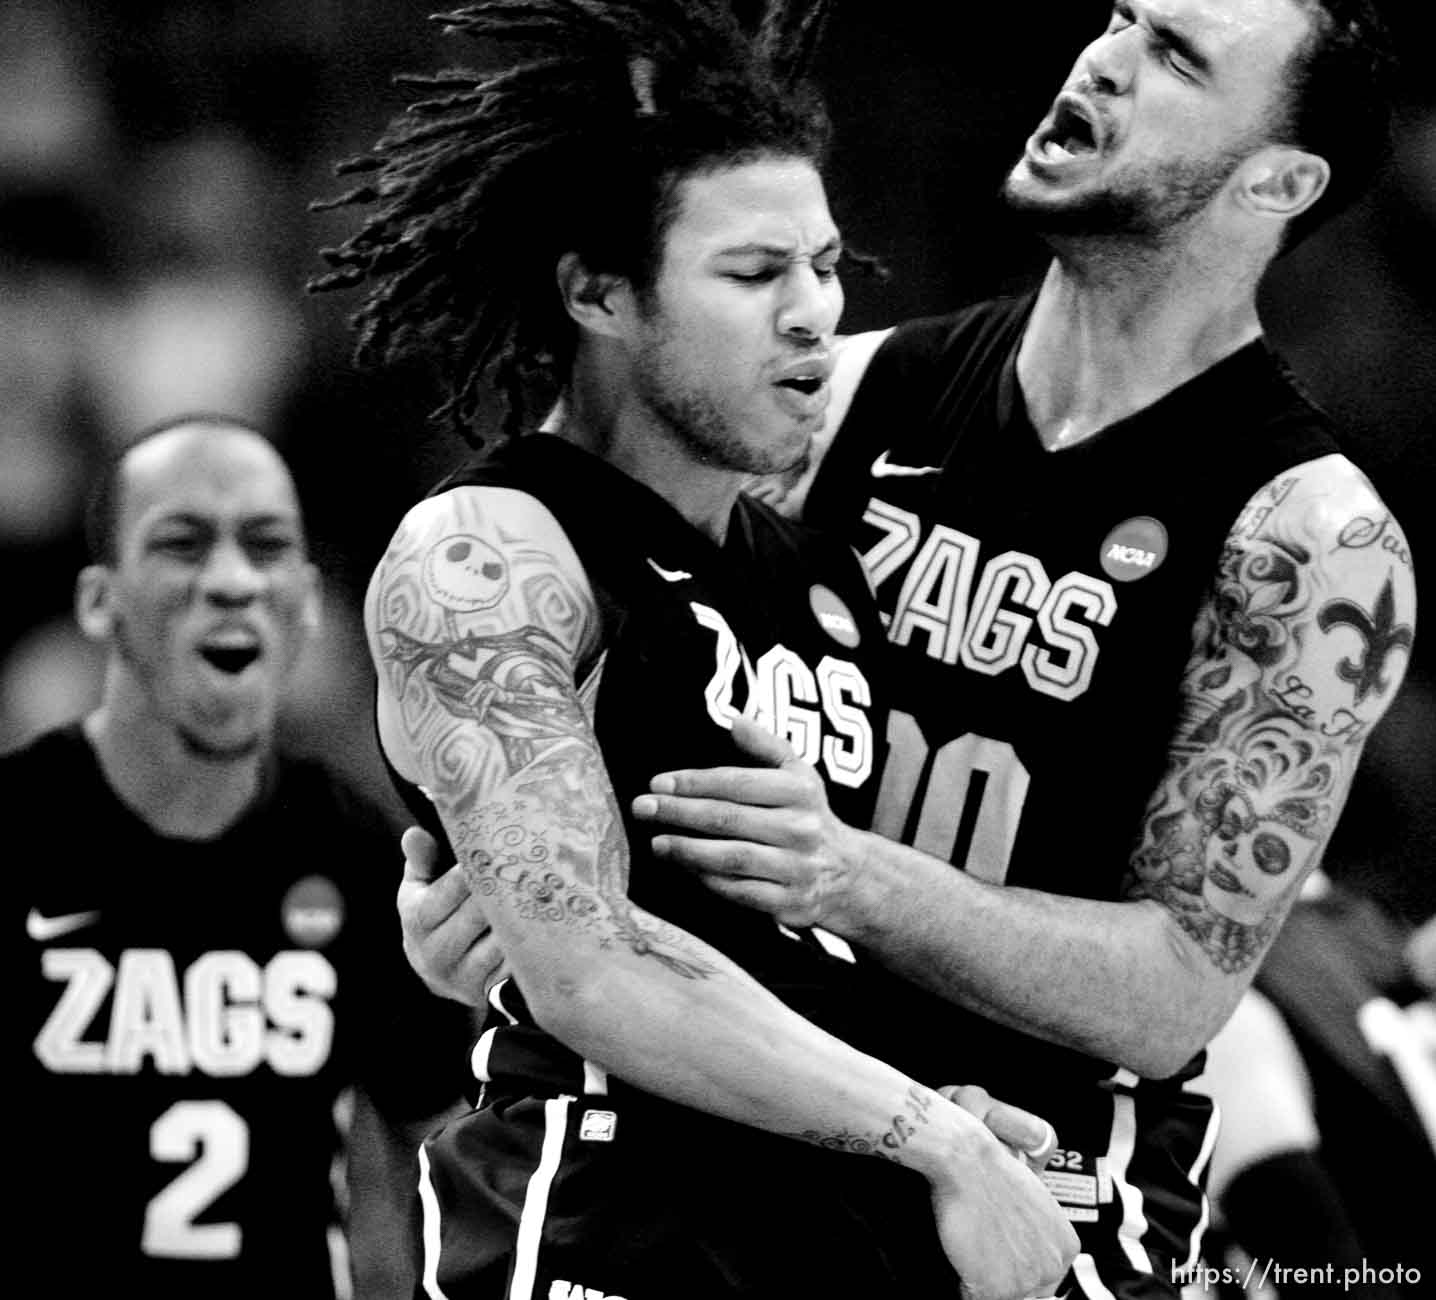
{"x": 961, "y": 804}
{"x": 211, "y": 1135}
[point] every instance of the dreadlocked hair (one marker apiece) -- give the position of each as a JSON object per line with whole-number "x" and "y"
{"x": 577, "y": 143}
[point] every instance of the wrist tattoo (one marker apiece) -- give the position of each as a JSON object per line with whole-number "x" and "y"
{"x": 885, "y": 1144}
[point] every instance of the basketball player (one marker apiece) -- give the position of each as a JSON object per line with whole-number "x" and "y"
{"x": 629, "y": 213}
{"x": 1135, "y": 593}
{"x": 1144, "y": 615}
{"x": 205, "y": 959}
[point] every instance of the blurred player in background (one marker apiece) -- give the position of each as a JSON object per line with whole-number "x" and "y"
{"x": 208, "y": 959}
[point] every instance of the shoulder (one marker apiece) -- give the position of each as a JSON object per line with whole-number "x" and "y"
{"x": 40, "y": 779}
{"x": 925, "y": 346}
{"x": 1333, "y": 489}
{"x": 852, "y": 355}
{"x": 945, "y": 341}
{"x": 1326, "y": 509}
{"x": 488, "y": 551}
{"x": 60, "y": 753}
{"x": 490, "y": 512}
{"x": 1318, "y": 588}
{"x": 479, "y": 584}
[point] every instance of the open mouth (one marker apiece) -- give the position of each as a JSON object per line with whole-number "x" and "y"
{"x": 229, "y": 660}
{"x": 1072, "y": 133}
{"x": 807, "y": 386}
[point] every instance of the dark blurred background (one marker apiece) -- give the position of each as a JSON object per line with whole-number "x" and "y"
{"x": 156, "y": 160}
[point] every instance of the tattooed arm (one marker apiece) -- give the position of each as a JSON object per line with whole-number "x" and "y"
{"x": 481, "y": 622}
{"x": 1296, "y": 654}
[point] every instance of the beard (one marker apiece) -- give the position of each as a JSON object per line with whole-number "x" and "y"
{"x": 1147, "y": 207}
{"x": 697, "y": 421}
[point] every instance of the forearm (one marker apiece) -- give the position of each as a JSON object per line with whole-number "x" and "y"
{"x": 1116, "y": 980}
{"x": 721, "y": 1043}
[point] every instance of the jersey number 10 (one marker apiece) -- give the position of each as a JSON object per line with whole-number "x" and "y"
{"x": 961, "y": 803}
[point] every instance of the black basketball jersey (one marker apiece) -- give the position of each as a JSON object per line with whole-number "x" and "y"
{"x": 191, "y": 1012}
{"x": 1040, "y": 609}
{"x": 1040, "y": 605}
{"x": 776, "y": 624}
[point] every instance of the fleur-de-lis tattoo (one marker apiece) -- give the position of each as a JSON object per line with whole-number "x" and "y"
{"x": 1381, "y": 632}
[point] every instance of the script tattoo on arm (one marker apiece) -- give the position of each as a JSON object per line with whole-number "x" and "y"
{"x": 1298, "y": 650}
{"x": 479, "y": 617}
{"x": 916, "y": 1113}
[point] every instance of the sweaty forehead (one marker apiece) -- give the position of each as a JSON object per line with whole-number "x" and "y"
{"x": 219, "y": 475}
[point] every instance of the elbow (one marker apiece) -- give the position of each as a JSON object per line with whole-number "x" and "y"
{"x": 1165, "y": 1051}
{"x": 1186, "y": 1002}
{"x": 571, "y": 1007}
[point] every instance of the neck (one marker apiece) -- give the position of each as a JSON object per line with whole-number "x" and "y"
{"x": 1109, "y": 336}
{"x": 622, "y": 431}
{"x": 173, "y": 791}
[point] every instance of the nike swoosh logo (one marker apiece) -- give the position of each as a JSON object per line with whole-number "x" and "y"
{"x": 883, "y": 468}
{"x": 669, "y": 575}
{"x": 44, "y": 928}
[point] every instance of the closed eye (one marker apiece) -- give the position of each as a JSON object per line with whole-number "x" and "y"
{"x": 1174, "y": 60}
{"x": 269, "y": 550}
{"x": 179, "y": 548}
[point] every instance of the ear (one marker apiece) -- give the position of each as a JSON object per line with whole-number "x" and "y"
{"x": 1284, "y": 182}
{"x": 595, "y": 300}
{"x": 94, "y": 610}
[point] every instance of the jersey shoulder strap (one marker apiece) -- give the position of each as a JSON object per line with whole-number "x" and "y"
{"x": 917, "y": 391}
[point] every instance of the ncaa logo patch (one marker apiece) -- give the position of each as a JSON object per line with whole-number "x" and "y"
{"x": 833, "y": 616}
{"x": 312, "y": 912}
{"x": 1134, "y": 548}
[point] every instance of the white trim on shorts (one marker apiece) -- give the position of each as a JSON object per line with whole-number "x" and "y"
{"x": 1209, "y": 1142}
{"x": 431, "y": 1229}
{"x": 535, "y": 1209}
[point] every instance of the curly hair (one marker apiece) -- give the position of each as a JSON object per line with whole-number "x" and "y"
{"x": 578, "y": 142}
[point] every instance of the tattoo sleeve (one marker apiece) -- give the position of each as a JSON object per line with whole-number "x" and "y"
{"x": 1298, "y": 650}
{"x": 478, "y": 617}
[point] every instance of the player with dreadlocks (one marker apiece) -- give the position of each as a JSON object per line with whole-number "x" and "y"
{"x": 475, "y": 188}
{"x": 628, "y": 217}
